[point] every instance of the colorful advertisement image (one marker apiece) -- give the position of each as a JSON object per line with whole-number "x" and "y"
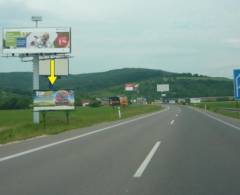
{"x": 53, "y": 100}
{"x": 38, "y": 40}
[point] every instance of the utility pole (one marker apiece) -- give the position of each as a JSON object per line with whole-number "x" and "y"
{"x": 36, "y": 116}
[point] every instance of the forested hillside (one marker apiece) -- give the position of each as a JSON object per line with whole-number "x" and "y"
{"x": 16, "y": 87}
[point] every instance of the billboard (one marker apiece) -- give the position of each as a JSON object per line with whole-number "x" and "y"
{"x": 131, "y": 87}
{"x": 36, "y": 40}
{"x": 162, "y": 87}
{"x": 195, "y": 100}
{"x": 61, "y": 67}
{"x": 53, "y": 100}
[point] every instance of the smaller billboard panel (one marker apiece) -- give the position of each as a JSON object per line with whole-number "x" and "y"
{"x": 131, "y": 87}
{"x": 36, "y": 40}
{"x": 162, "y": 87}
{"x": 61, "y": 67}
{"x": 53, "y": 100}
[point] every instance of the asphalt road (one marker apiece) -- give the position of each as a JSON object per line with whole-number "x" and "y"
{"x": 179, "y": 151}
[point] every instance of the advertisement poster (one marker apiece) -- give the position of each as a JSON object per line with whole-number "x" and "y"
{"x": 36, "y": 41}
{"x": 131, "y": 87}
{"x": 163, "y": 88}
{"x": 53, "y": 100}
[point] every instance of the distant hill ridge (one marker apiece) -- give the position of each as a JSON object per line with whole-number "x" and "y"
{"x": 23, "y": 80}
{"x": 112, "y": 82}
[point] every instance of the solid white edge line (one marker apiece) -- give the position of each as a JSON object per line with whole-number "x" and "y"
{"x": 147, "y": 160}
{"x": 217, "y": 119}
{"x": 77, "y": 137}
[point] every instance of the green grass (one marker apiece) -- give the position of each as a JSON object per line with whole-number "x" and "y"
{"x": 17, "y": 125}
{"x": 220, "y": 107}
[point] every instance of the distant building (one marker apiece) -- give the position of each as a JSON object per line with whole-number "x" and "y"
{"x": 222, "y": 98}
{"x": 172, "y": 101}
{"x": 85, "y": 103}
{"x": 181, "y": 100}
{"x": 157, "y": 102}
{"x": 140, "y": 100}
{"x": 104, "y": 101}
{"x": 195, "y": 100}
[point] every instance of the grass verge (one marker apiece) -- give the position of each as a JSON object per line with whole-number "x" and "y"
{"x": 16, "y": 124}
{"x": 222, "y": 108}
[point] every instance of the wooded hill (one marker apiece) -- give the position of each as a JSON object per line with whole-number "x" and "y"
{"x": 19, "y": 84}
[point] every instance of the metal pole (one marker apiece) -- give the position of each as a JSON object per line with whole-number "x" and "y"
{"x": 36, "y": 118}
{"x": 67, "y": 116}
{"x": 44, "y": 119}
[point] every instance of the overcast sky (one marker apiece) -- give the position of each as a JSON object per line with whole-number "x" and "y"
{"x": 197, "y": 36}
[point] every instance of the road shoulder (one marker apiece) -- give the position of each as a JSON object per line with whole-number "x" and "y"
{"x": 235, "y": 123}
{"x": 18, "y": 147}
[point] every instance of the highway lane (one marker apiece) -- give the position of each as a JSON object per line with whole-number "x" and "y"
{"x": 178, "y": 151}
{"x": 200, "y": 156}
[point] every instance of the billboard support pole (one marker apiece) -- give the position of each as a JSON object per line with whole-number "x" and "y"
{"x": 36, "y": 118}
{"x": 44, "y": 119}
{"x": 67, "y": 116}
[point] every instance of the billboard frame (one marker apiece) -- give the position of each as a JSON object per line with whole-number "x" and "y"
{"x": 35, "y": 59}
{"x": 27, "y": 54}
{"x": 54, "y": 110}
{"x": 56, "y": 66}
{"x": 163, "y": 85}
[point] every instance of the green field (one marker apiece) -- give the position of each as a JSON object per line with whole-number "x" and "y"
{"x": 221, "y": 108}
{"x": 17, "y": 125}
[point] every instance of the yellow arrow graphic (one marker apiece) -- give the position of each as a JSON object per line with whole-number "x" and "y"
{"x": 52, "y": 78}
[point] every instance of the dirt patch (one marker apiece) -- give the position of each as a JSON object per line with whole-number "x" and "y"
{"x": 3, "y": 128}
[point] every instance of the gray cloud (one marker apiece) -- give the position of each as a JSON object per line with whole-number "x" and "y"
{"x": 183, "y": 36}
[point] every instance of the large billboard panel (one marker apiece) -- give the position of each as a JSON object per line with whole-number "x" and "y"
{"x": 36, "y": 40}
{"x": 162, "y": 87}
{"x": 53, "y": 100}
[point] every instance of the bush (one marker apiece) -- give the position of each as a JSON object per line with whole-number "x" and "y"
{"x": 95, "y": 104}
{"x": 15, "y": 103}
